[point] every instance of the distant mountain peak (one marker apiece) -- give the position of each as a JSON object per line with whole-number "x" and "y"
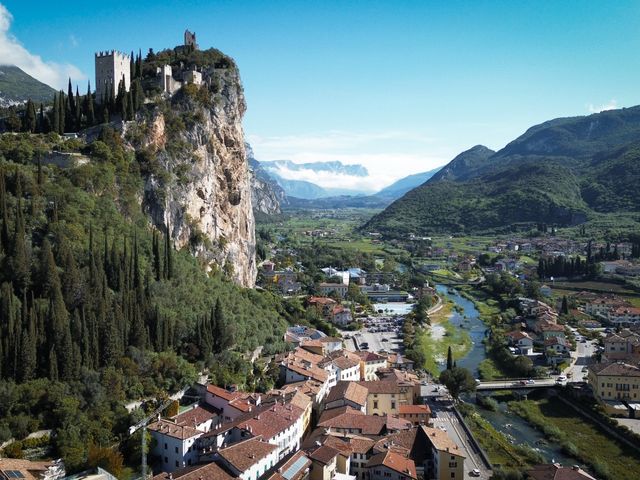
{"x": 17, "y": 86}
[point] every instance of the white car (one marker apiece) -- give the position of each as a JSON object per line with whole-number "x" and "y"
{"x": 474, "y": 473}
{"x": 561, "y": 378}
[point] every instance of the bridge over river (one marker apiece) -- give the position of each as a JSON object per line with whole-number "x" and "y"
{"x": 512, "y": 384}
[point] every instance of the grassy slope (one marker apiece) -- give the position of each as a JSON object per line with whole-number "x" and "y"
{"x": 16, "y": 85}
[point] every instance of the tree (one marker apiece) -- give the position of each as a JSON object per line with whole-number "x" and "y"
{"x": 30, "y": 117}
{"x": 458, "y": 380}
{"x": 449, "y": 358}
{"x": 564, "y": 309}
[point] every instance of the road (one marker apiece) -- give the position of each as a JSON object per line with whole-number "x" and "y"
{"x": 581, "y": 358}
{"x": 511, "y": 384}
{"x": 447, "y": 419}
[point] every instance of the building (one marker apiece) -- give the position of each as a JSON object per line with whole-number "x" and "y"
{"x": 111, "y": 68}
{"x": 522, "y": 341}
{"x": 341, "y": 316}
{"x": 327, "y": 462}
{"x": 190, "y": 40}
{"x": 370, "y": 364}
{"x": 624, "y": 345}
{"x": 210, "y": 471}
{"x": 347, "y": 394}
{"x": 19, "y": 469}
{"x": 615, "y": 382}
{"x": 416, "y": 414}
{"x": 295, "y": 468}
{"x": 555, "y": 471}
{"x": 384, "y": 397}
{"x": 391, "y": 465}
{"x": 447, "y": 459}
{"x": 337, "y": 288}
{"x": 176, "y": 437}
{"x": 248, "y": 459}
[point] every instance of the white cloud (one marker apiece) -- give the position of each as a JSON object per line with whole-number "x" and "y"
{"x": 611, "y": 105}
{"x": 388, "y": 156}
{"x": 12, "y": 52}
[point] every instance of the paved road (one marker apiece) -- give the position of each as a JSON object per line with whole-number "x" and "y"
{"x": 581, "y": 358}
{"x": 388, "y": 341}
{"x": 509, "y": 384}
{"x": 447, "y": 419}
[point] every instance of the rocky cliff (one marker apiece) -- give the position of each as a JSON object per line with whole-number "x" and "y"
{"x": 199, "y": 184}
{"x": 266, "y": 195}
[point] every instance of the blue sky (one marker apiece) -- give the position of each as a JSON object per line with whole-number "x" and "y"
{"x": 399, "y": 86}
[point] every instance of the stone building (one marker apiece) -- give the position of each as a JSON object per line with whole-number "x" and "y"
{"x": 111, "y": 67}
{"x": 190, "y": 40}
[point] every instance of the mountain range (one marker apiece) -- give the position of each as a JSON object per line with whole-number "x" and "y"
{"x": 562, "y": 172}
{"x": 17, "y": 87}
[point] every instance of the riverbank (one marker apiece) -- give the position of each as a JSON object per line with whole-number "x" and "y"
{"x": 434, "y": 341}
{"x": 607, "y": 457}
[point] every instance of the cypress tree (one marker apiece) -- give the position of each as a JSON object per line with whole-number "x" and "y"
{"x": 156, "y": 256}
{"x": 4, "y": 228}
{"x": 20, "y": 265}
{"x": 564, "y": 309}
{"x": 55, "y": 113}
{"x": 90, "y": 113}
{"x": 71, "y": 105}
{"x": 30, "y": 117}
{"x": 53, "y": 365}
{"x": 449, "y": 358}
{"x": 62, "y": 107}
{"x": 28, "y": 355}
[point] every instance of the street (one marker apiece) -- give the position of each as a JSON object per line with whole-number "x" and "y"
{"x": 447, "y": 419}
{"x": 379, "y": 336}
{"x": 581, "y": 358}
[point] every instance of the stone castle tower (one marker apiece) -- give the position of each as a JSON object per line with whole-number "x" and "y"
{"x": 111, "y": 67}
{"x": 190, "y": 39}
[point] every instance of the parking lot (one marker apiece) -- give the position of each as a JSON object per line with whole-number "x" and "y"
{"x": 380, "y": 334}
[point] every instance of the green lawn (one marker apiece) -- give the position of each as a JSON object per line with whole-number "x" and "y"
{"x": 608, "y": 457}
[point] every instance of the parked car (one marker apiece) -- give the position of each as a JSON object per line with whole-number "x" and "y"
{"x": 474, "y": 473}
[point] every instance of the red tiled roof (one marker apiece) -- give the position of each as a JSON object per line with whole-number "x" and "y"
{"x": 414, "y": 409}
{"x": 350, "y": 391}
{"x": 243, "y": 455}
{"x": 395, "y": 462}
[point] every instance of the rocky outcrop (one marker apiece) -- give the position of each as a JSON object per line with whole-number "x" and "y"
{"x": 199, "y": 183}
{"x": 266, "y": 195}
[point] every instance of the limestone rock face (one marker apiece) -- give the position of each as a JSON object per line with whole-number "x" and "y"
{"x": 200, "y": 184}
{"x": 266, "y": 195}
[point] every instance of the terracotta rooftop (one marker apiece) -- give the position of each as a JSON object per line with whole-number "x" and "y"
{"x": 370, "y": 356}
{"x": 618, "y": 369}
{"x": 558, "y": 472}
{"x": 324, "y": 454}
{"x": 28, "y": 469}
{"x": 244, "y": 454}
{"x": 295, "y": 468}
{"x": 268, "y": 423}
{"x": 365, "y": 424}
{"x": 395, "y": 462}
{"x": 210, "y": 471}
{"x": 441, "y": 441}
{"x": 172, "y": 429}
{"x": 350, "y": 391}
{"x": 414, "y": 409}
{"x": 382, "y": 386}
{"x": 197, "y": 415}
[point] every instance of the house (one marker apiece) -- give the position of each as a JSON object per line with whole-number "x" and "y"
{"x": 341, "y": 316}
{"x": 624, "y": 316}
{"x": 416, "y": 414}
{"x": 555, "y": 471}
{"x": 20, "y": 469}
{"x": 337, "y": 288}
{"x": 345, "y": 363}
{"x": 399, "y": 361}
{"x": 615, "y": 381}
{"x": 210, "y": 471}
{"x": 295, "y": 468}
{"x": 327, "y": 462}
{"x": 248, "y": 459}
{"x": 384, "y": 397}
{"x": 546, "y": 291}
{"x": 370, "y": 363}
{"x": 624, "y": 345}
{"x": 299, "y": 333}
{"x": 230, "y": 404}
{"x": 359, "y": 448}
{"x": 522, "y": 341}
{"x": 391, "y": 465}
{"x": 175, "y": 438}
{"x": 447, "y": 459}
{"x": 556, "y": 349}
{"x": 548, "y": 330}
{"x": 324, "y": 304}
{"x": 347, "y": 394}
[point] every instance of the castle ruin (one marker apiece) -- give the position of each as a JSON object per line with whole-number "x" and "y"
{"x": 190, "y": 39}
{"x": 111, "y": 68}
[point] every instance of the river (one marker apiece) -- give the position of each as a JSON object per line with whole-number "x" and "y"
{"x": 515, "y": 428}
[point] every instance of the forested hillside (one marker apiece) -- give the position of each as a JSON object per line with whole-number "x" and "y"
{"x": 562, "y": 172}
{"x": 96, "y": 306}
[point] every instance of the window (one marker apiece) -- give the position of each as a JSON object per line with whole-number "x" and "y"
{"x": 453, "y": 474}
{"x": 177, "y": 464}
{"x": 176, "y": 449}
{"x": 165, "y": 445}
{"x": 375, "y": 404}
{"x": 166, "y": 460}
